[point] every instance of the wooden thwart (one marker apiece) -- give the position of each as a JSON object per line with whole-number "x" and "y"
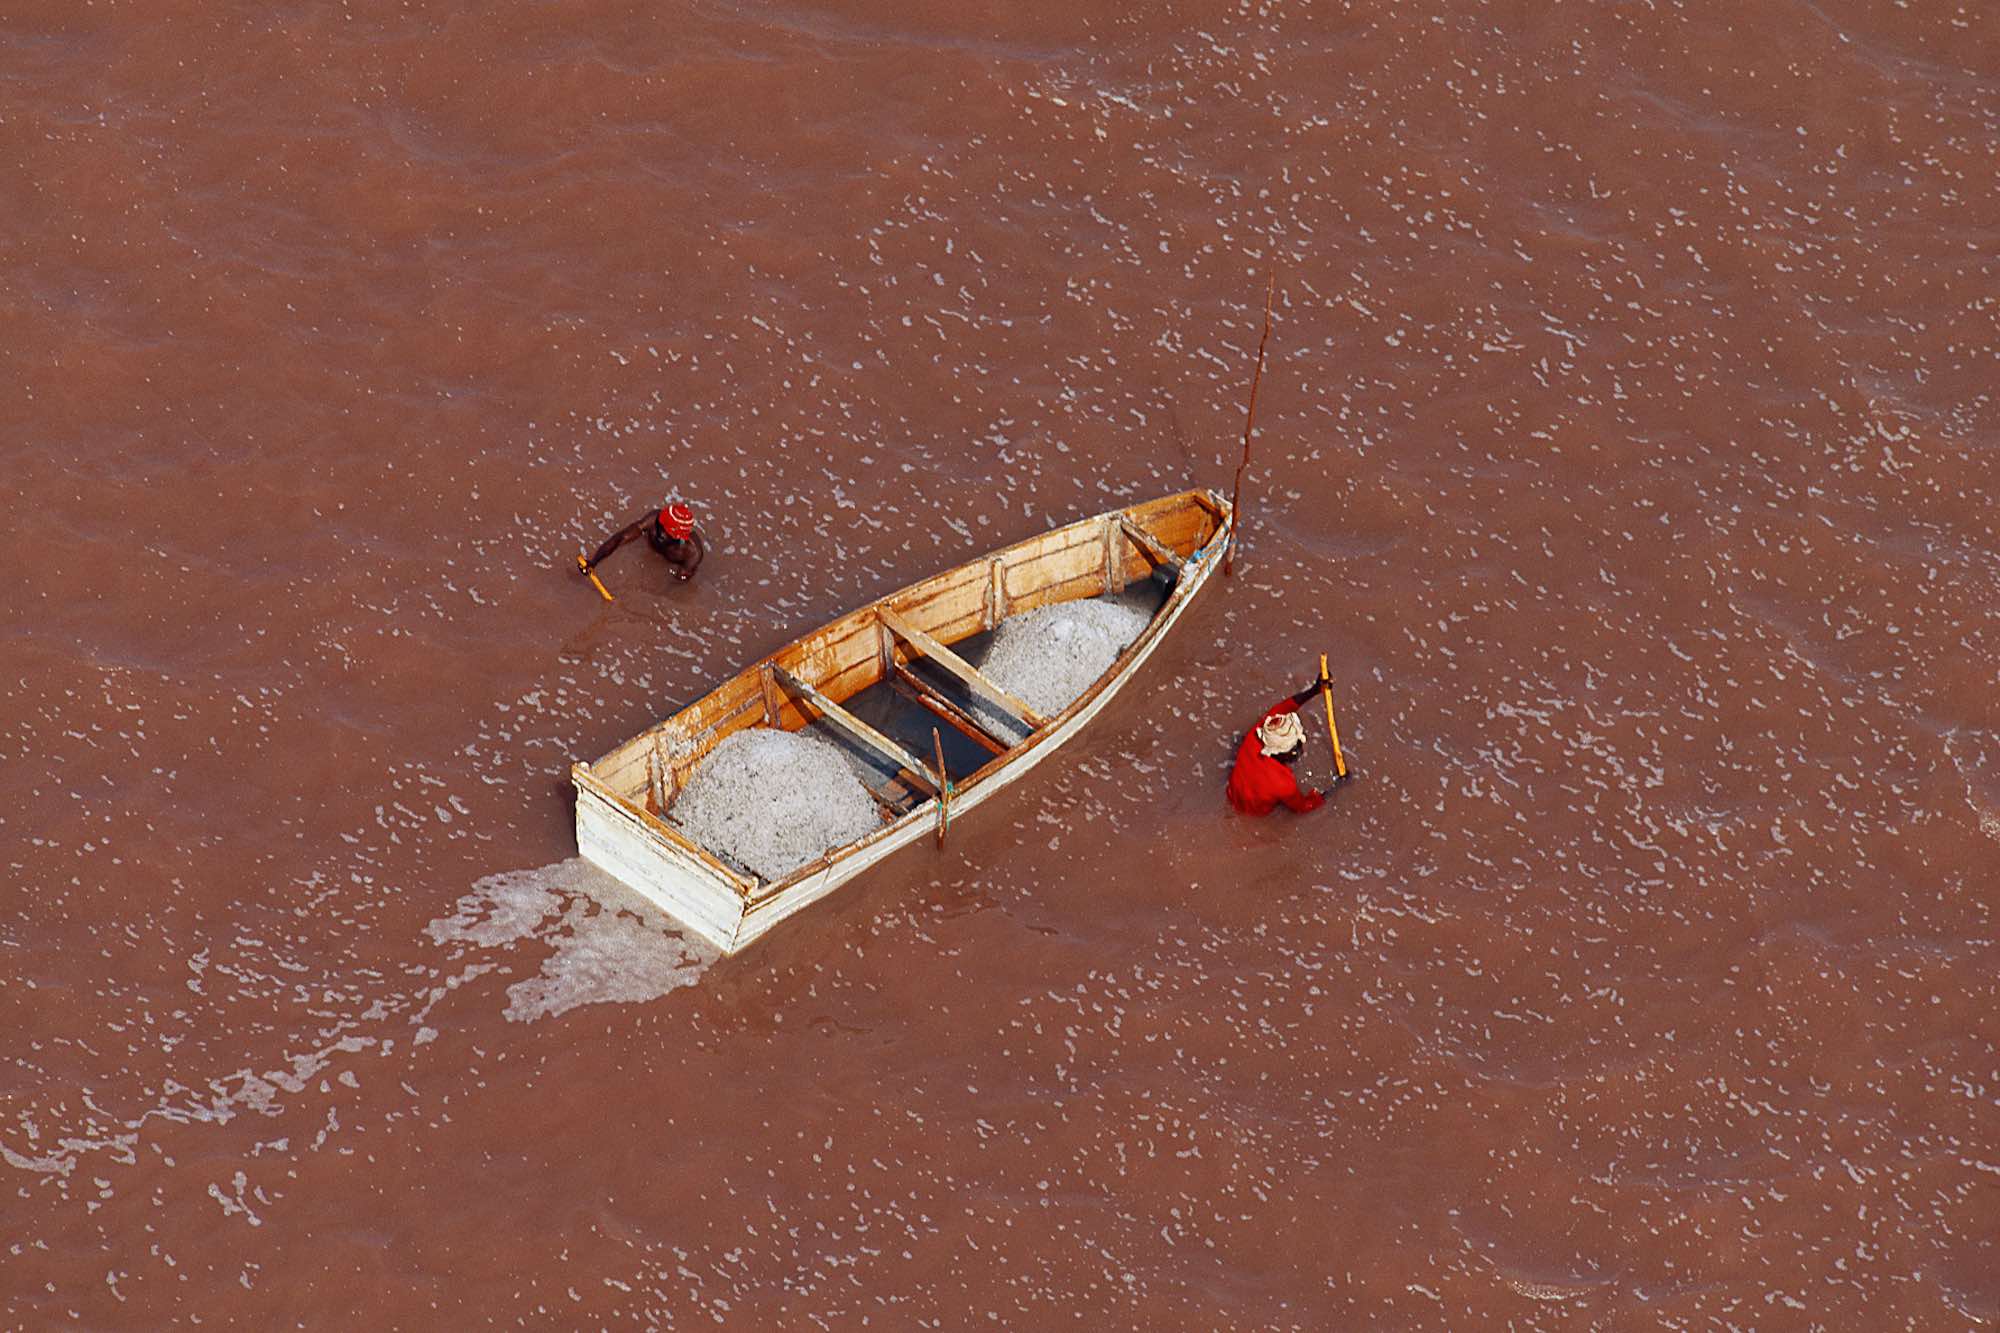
{"x": 958, "y": 666}
{"x": 855, "y": 727}
{"x": 1146, "y": 542}
{"x": 968, "y": 725}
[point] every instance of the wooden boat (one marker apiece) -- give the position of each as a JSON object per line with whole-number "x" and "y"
{"x": 894, "y": 655}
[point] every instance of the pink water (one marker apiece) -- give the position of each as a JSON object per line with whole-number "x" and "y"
{"x": 1627, "y": 442}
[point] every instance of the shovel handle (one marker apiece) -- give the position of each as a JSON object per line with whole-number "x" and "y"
{"x": 1332, "y": 732}
{"x": 591, "y": 574}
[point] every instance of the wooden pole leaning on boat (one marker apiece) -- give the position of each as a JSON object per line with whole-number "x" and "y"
{"x": 591, "y": 574}
{"x": 1249, "y": 424}
{"x": 1332, "y": 732}
{"x": 944, "y": 786}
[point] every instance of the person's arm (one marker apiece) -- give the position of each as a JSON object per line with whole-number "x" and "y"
{"x": 1305, "y": 695}
{"x": 687, "y": 570}
{"x": 1305, "y": 802}
{"x": 616, "y": 540}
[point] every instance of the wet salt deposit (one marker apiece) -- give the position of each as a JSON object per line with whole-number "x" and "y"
{"x": 774, "y": 800}
{"x": 1049, "y": 656}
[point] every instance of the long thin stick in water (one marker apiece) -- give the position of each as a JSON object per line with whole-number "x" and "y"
{"x": 1249, "y": 424}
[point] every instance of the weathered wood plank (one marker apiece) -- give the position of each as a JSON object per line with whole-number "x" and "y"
{"x": 995, "y": 608}
{"x": 958, "y": 666}
{"x": 1146, "y": 542}
{"x": 890, "y": 807}
{"x": 1087, "y": 584}
{"x": 774, "y": 706}
{"x": 855, "y": 727}
{"x": 1032, "y": 572}
{"x": 610, "y": 836}
{"x": 920, "y": 690}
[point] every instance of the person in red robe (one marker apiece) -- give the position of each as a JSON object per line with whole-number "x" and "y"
{"x": 1262, "y": 779}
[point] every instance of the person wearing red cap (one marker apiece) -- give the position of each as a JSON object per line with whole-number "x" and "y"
{"x": 1262, "y": 779}
{"x": 672, "y": 532}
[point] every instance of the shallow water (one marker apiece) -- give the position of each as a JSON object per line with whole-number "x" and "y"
{"x": 1627, "y": 440}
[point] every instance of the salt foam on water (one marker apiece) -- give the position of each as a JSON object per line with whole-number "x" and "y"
{"x": 774, "y": 800}
{"x": 609, "y": 945}
{"x": 1049, "y": 656}
{"x": 606, "y": 957}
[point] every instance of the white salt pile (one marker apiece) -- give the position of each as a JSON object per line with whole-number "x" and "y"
{"x": 774, "y": 800}
{"x": 1049, "y": 656}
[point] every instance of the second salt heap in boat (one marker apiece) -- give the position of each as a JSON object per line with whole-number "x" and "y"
{"x": 1049, "y": 656}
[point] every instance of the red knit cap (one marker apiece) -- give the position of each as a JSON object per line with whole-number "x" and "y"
{"x": 677, "y": 521}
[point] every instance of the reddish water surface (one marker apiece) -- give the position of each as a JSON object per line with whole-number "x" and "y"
{"x": 1627, "y": 441}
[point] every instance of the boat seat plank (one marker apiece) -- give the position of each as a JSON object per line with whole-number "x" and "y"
{"x": 1147, "y": 543}
{"x": 969, "y": 726}
{"x": 866, "y": 735}
{"x": 958, "y": 666}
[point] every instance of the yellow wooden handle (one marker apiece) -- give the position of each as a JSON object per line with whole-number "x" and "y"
{"x": 591, "y": 574}
{"x": 1332, "y": 732}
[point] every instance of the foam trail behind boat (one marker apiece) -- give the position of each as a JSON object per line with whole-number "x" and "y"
{"x": 610, "y": 945}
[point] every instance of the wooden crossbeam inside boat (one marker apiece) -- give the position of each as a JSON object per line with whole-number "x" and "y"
{"x": 920, "y": 689}
{"x": 859, "y": 730}
{"x": 1146, "y": 542}
{"x": 958, "y": 666}
{"x": 892, "y": 805}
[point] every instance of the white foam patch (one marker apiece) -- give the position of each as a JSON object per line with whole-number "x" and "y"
{"x": 774, "y": 800}
{"x": 610, "y": 946}
{"x": 607, "y": 958}
{"x": 501, "y": 909}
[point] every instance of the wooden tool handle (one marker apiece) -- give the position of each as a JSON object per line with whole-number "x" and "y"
{"x": 591, "y": 574}
{"x": 1332, "y": 732}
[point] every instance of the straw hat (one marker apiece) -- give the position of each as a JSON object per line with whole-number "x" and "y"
{"x": 1281, "y": 733}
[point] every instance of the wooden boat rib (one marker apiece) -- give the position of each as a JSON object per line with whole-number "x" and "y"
{"x": 621, "y": 798}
